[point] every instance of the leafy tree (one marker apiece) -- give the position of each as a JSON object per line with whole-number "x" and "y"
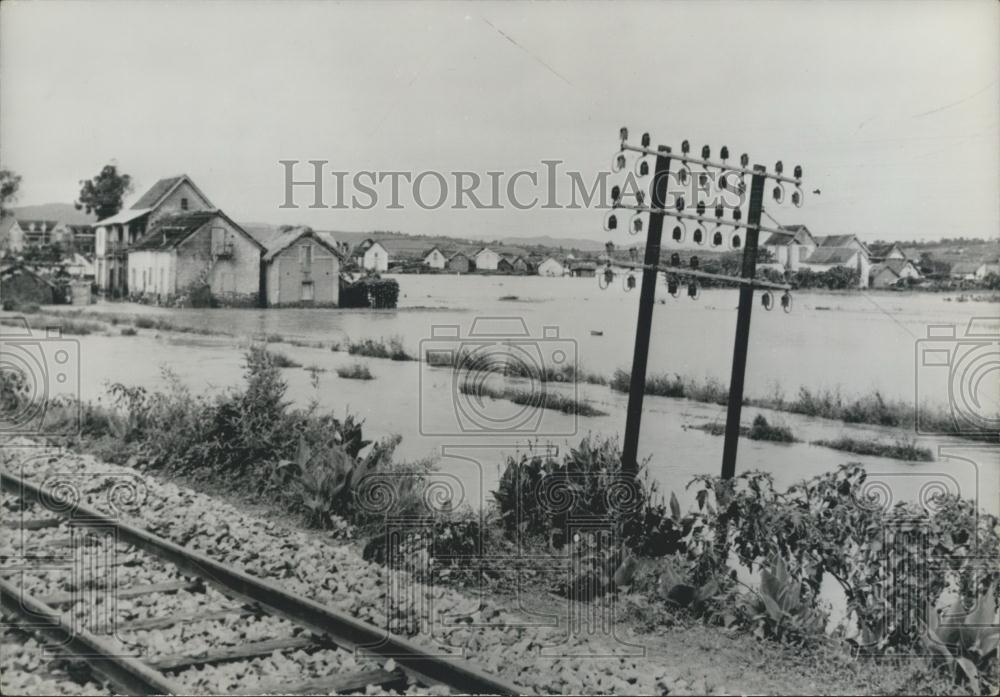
{"x": 103, "y": 194}
{"x": 10, "y": 182}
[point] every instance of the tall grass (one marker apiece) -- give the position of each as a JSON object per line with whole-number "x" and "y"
{"x": 356, "y": 371}
{"x": 391, "y": 348}
{"x": 898, "y": 450}
{"x": 543, "y": 399}
{"x": 760, "y": 429}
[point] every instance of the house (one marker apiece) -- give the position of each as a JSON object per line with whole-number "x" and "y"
{"x": 523, "y": 266}
{"x": 505, "y": 265}
{"x": 301, "y": 268}
{"x": 551, "y": 267}
{"x": 372, "y": 255}
{"x": 891, "y": 271}
{"x": 965, "y": 270}
{"x": 45, "y": 232}
{"x": 116, "y": 234}
{"x": 486, "y": 259}
{"x": 886, "y": 251}
{"x": 583, "y": 269}
{"x": 840, "y": 250}
{"x": 988, "y": 268}
{"x": 11, "y": 235}
{"x": 460, "y": 262}
{"x": 22, "y": 286}
{"x": 82, "y": 238}
{"x": 187, "y": 252}
{"x": 435, "y": 258}
{"x": 792, "y": 248}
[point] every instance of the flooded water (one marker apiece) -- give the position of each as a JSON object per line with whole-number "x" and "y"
{"x": 851, "y": 342}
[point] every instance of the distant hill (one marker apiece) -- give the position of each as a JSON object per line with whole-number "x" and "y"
{"x": 60, "y": 212}
{"x": 555, "y": 243}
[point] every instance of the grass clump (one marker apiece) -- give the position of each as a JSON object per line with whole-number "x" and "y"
{"x": 145, "y": 322}
{"x": 543, "y": 399}
{"x": 760, "y": 429}
{"x": 281, "y": 360}
{"x": 677, "y": 386}
{"x": 899, "y": 450}
{"x": 129, "y": 331}
{"x": 355, "y": 371}
{"x": 391, "y": 348}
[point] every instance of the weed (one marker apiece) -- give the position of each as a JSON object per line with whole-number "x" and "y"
{"x": 355, "y": 371}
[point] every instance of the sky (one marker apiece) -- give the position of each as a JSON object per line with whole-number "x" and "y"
{"x": 892, "y": 108}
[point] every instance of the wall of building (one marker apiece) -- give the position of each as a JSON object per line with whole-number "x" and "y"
{"x": 550, "y": 267}
{"x": 435, "y": 260}
{"x": 487, "y": 260}
{"x": 286, "y": 273}
{"x": 171, "y": 205}
{"x": 459, "y": 264}
{"x": 151, "y": 273}
{"x": 376, "y": 258}
{"x": 234, "y": 280}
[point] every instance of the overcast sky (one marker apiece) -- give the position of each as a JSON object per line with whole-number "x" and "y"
{"x": 892, "y": 108}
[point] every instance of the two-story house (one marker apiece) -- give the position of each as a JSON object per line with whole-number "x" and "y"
{"x": 115, "y": 235}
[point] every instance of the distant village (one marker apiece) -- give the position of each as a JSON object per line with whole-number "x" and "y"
{"x": 174, "y": 246}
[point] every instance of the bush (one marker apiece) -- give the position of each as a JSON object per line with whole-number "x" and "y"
{"x": 373, "y": 292}
{"x": 380, "y": 348}
{"x": 356, "y": 371}
{"x": 899, "y": 450}
{"x": 145, "y": 322}
{"x": 129, "y": 331}
{"x": 762, "y": 430}
{"x": 281, "y": 360}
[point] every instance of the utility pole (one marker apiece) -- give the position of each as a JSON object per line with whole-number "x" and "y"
{"x": 748, "y": 271}
{"x": 651, "y": 266}
{"x": 644, "y": 324}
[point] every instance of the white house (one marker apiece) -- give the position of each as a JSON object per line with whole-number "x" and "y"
{"x": 11, "y": 235}
{"x": 486, "y": 259}
{"x": 888, "y": 272}
{"x": 792, "y": 248}
{"x": 841, "y": 250}
{"x": 986, "y": 269}
{"x": 551, "y": 267}
{"x": 435, "y": 259}
{"x": 372, "y": 256}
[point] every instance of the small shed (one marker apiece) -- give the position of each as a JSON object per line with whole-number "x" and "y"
{"x": 504, "y": 265}
{"x": 459, "y": 262}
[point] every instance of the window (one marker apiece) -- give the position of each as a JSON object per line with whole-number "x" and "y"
{"x": 184, "y": 204}
{"x": 307, "y": 290}
{"x": 305, "y": 255}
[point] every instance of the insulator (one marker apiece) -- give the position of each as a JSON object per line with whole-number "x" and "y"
{"x": 719, "y": 210}
{"x": 700, "y": 208}
{"x": 679, "y": 205}
{"x": 744, "y": 160}
{"x": 609, "y": 247}
{"x": 778, "y": 167}
{"x": 737, "y": 214}
{"x": 798, "y": 171}
{"x": 797, "y": 197}
{"x": 679, "y": 231}
{"x": 685, "y": 147}
{"x": 637, "y": 224}
{"x": 735, "y": 241}
{"x": 616, "y": 195}
{"x": 724, "y": 182}
{"x": 640, "y": 197}
{"x": 610, "y": 222}
{"x": 645, "y": 140}
{"x": 706, "y": 152}
{"x": 693, "y": 262}
{"x": 703, "y": 179}
{"x": 682, "y": 175}
{"x": 767, "y": 301}
{"x": 623, "y": 133}
{"x": 618, "y": 164}
{"x": 693, "y": 290}
{"x": 779, "y": 193}
{"x": 628, "y": 282}
{"x": 724, "y": 153}
{"x": 673, "y": 287}
{"x": 741, "y": 188}
{"x": 717, "y": 239}
{"x": 642, "y": 167}
{"x": 675, "y": 259}
{"x": 605, "y": 278}
{"x": 698, "y": 236}
{"x": 786, "y": 301}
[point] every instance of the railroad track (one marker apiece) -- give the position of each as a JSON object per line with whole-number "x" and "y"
{"x": 77, "y": 614}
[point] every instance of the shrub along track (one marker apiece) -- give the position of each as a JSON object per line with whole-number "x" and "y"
{"x": 317, "y": 636}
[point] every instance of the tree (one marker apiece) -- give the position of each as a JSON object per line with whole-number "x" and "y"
{"x": 9, "y": 184}
{"x": 103, "y": 194}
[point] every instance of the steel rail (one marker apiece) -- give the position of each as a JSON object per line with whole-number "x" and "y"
{"x": 342, "y": 629}
{"x": 129, "y": 674}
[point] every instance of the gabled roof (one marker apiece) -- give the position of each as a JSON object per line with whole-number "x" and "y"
{"x": 897, "y": 265}
{"x": 170, "y": 231}
{"x": 797, "y": 234}
{"x": 831, "y": 255}
{"x": 290, "y": 237}
{"x": 125, "y": 216}
{"x": 481, "y": 250}
{"x": 881, "y": 266}
{"x": 459, "y": 253}
{"x": 883, "y": 250}
{"x": 432, "y": 250}
{"x": 163, "y": 188}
